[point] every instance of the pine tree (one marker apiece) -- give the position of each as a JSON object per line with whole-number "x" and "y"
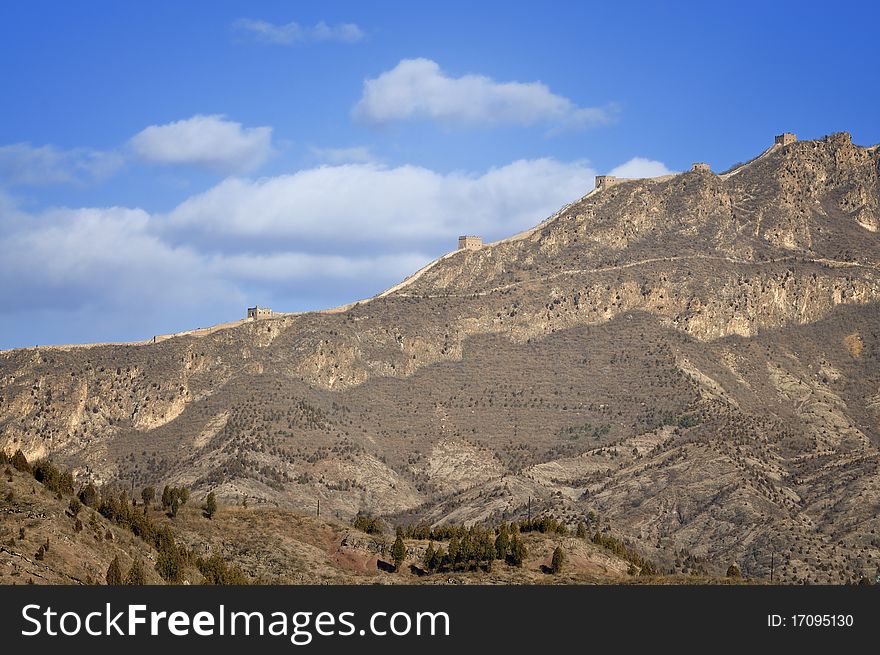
{"x": 733, "y": 571}
{"x": 148, "y": 494}
{"x": 114, "y": 572}
{"x": 167, "y": 497}
{"x": 398, "y": 552}
{"x": 502, "y": 542}
{"x": 518, "y": 552}
{"x": 442, "y": 557}
{"x": 430, "y": 559}
{"x": 170, "y": 560}
{"x": 20, "y": 462}
{"x": 582, "y": 530}
{"x": 558, "y": 560}
{"x": 89, "y": 495}
{"x": 211, "y": 505}
{"x": 454, "y": 550}
{"x": 136, "y": 575}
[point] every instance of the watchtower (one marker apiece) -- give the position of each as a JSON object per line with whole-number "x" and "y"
{"x": 785, "y": 138}
{"x": 605, "y": 181}
{"x": 469, "y": 242}
{"x": 256, "y": 313}
{"x": 701, "y": 167}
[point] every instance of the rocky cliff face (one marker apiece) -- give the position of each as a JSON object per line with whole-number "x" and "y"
{"x": 694, "y": 357}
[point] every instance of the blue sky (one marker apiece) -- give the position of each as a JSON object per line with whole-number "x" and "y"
{"x": 163, "y": 165}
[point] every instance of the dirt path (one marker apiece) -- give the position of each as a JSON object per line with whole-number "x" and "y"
{"x": 831, "y": 263}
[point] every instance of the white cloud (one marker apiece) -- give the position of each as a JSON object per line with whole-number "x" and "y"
{"x": 287, "y": 267}
{"x": 358, "y": 203}
{"x": 353, "y": 155}
{"x": 640, "y": 167}
{"x": 22, "y": 164}
{"x": 209, "y": 142}
{"x": 293, "y": 33}
{"x": 418, "y": 89}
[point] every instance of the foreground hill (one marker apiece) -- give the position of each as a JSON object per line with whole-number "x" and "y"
{"x": 694, "y": 358}
{"x": 263, "y": 546}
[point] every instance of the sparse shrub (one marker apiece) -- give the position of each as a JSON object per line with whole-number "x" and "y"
{"x": 368, "y": 524}
{"x": 75, "y": 507}
{"x": 733, "y": 571}
{"x": 218, "y": 572}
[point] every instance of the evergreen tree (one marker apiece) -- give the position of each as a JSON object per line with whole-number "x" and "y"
{"x": 398, "y": 552}
{"x": 558, "y": 560}
{"x": 75, "y": 507}
{"x": 167, "y": 497}
{"x": 502, "y": 542}
{"x": 148, "y": 494}
{"x": 114, "y": 572}
{"x": 733, "y": 571}
{"x": 211, "y": 505}
{"x": 136, "y": 575}
{"x": 20, "y": 462}
{"x": 486, "y": 547}
{"x": 430, "y": 559}
{"x": 581, "y": 530}
{"x": 518, "y": 552}
{"x": 440, "y": 557}
{"x": 89, "y": 495}
{"x": 454, "y": 554}
{"x": 171, "y": 559}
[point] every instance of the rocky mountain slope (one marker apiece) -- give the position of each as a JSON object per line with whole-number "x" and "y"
{"x": 693, "y": 357}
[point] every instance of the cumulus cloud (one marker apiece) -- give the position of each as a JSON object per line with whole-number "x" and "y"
{"x": 419, "y": 89}
{"x": 640, "y": 167}
{"x": 22, "y": 164}
{"x": 293, "y": 33}
{"x": 209, "y": 142}
{"x": 370, "y": 203}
